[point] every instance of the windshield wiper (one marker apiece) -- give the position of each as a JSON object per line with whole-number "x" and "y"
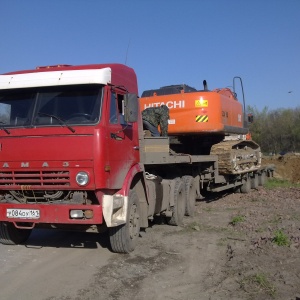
{"x": 61, "y": 121}
{"x": 3, "y": 128}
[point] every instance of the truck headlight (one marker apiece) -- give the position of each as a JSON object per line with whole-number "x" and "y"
{"x": 82, "y": 178}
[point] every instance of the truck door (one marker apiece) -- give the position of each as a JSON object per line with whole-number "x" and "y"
{"x": 122, "y": 142}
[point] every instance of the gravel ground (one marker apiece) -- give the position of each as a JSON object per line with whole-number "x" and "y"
{"x": 237, "y": 246}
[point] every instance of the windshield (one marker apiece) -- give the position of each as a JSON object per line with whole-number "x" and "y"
{"x": 46, "y": 106}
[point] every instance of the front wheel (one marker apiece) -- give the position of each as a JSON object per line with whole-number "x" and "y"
{"x": 123, "y": 238}
{"x": 10, "y": 235}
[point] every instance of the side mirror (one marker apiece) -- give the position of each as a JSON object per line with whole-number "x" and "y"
{"x": 131, "y": 108}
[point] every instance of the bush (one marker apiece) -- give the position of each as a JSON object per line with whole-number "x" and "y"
{"x": 281, "y": 239}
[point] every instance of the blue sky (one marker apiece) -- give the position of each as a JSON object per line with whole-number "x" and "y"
{"x": 165, "y": 41}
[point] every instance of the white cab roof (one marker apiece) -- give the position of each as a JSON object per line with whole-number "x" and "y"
{"x": 55, "y": 78}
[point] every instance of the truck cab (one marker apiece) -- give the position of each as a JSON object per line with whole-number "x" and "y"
{"x": 68, "y": 146}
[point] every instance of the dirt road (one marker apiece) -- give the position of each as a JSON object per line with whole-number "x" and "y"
{"x": 228, "y": 250}
{"x": 51, "y": 264}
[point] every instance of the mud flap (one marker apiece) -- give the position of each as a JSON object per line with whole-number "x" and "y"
{"x": 115, "y": 209}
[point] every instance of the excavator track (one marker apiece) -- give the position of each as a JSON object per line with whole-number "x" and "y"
{"x": 237, "y": 157}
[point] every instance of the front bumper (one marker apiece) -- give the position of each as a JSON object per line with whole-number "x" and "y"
{"x": 52, "y": 214}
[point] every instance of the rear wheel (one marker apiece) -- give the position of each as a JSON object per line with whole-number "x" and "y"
{"x": 262, "y": 178}
{"x": 246, "y": 187}
{"x": 190, "y": 195}
{"x": 179, "y": 203}
{"x": 123, "y": 238}
{"x": 10, "y": 235}
{"x": 254, "y": 181}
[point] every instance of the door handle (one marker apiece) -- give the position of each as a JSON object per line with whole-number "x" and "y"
{"x": 115, "y": 137}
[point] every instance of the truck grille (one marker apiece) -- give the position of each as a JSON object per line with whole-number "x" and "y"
{"x": 35, "y": 178}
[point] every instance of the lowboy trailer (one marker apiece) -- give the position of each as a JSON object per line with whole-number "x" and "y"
{"x": 74, "y": 156}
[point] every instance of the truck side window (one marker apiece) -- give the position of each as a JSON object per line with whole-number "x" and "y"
{"x": 116, "y": 109}
{"x": 113, "y": 111}
{"x": 120, "y": 99}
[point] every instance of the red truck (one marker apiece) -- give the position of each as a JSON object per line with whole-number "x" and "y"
{"x": 74, "y": 156}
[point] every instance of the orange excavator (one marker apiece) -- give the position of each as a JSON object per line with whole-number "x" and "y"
{"x": 204, "y": 122}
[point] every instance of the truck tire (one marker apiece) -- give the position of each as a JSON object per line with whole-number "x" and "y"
{"x": 246, "y": 187}
{"x": 254, "y": 181}
{"x": 190, "y": 195}
{"x": 262, "y": 178}
{"x": 179, "y": 203}
{"x": 10, "y": 235}
{"x": 123, "y": 238}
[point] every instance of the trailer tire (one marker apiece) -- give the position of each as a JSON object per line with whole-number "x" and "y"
{"x": 123, "y": 238}
{"x": 262, "y": 178}
{"x": 254, "y": 181}
{"x": 179, "y": 203}
{"x": 190, "y": 195}
{"x": 246, "y": 186}
{"x": 10, "y": 235}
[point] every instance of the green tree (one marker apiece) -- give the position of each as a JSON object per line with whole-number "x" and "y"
{"x": 276, "y": 130}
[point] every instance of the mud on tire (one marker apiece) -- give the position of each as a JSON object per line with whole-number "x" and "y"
{"x": 254, "y": 181}
{"x": 179, "y": 203}
{"x": 262, "y": 178}
{"x": 190, "y": 195}
{"x": 246, "y": 187}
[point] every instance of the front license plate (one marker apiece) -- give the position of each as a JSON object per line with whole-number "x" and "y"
{"x": 22, "y": 213}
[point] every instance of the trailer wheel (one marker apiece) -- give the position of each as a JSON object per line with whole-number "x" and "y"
{"x": 254, "y": 181}
{"x": 123, "y": 238}
{"x": 190, "y": 195}
{"x": 262, "y": 178}
{"x": 179, "y": 204}
{"x": 246, "y": 187}
{"x": 10, "y": 235}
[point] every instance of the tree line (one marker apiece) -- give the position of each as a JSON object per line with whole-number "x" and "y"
{"x": 276, "y": 131}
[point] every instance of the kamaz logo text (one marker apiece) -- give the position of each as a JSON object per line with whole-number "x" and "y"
{"x": 170, "y": 104}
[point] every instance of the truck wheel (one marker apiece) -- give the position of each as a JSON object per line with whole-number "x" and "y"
{"x": 10, "y": 235}
{"x": 179, "y": 204}
{"x": 123, "y": 238}
{"x": 190, "y": 195}
{"x": 246, "y": 187}
{"x": 254, "y": 181}
{"x": 262, "y": 178}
